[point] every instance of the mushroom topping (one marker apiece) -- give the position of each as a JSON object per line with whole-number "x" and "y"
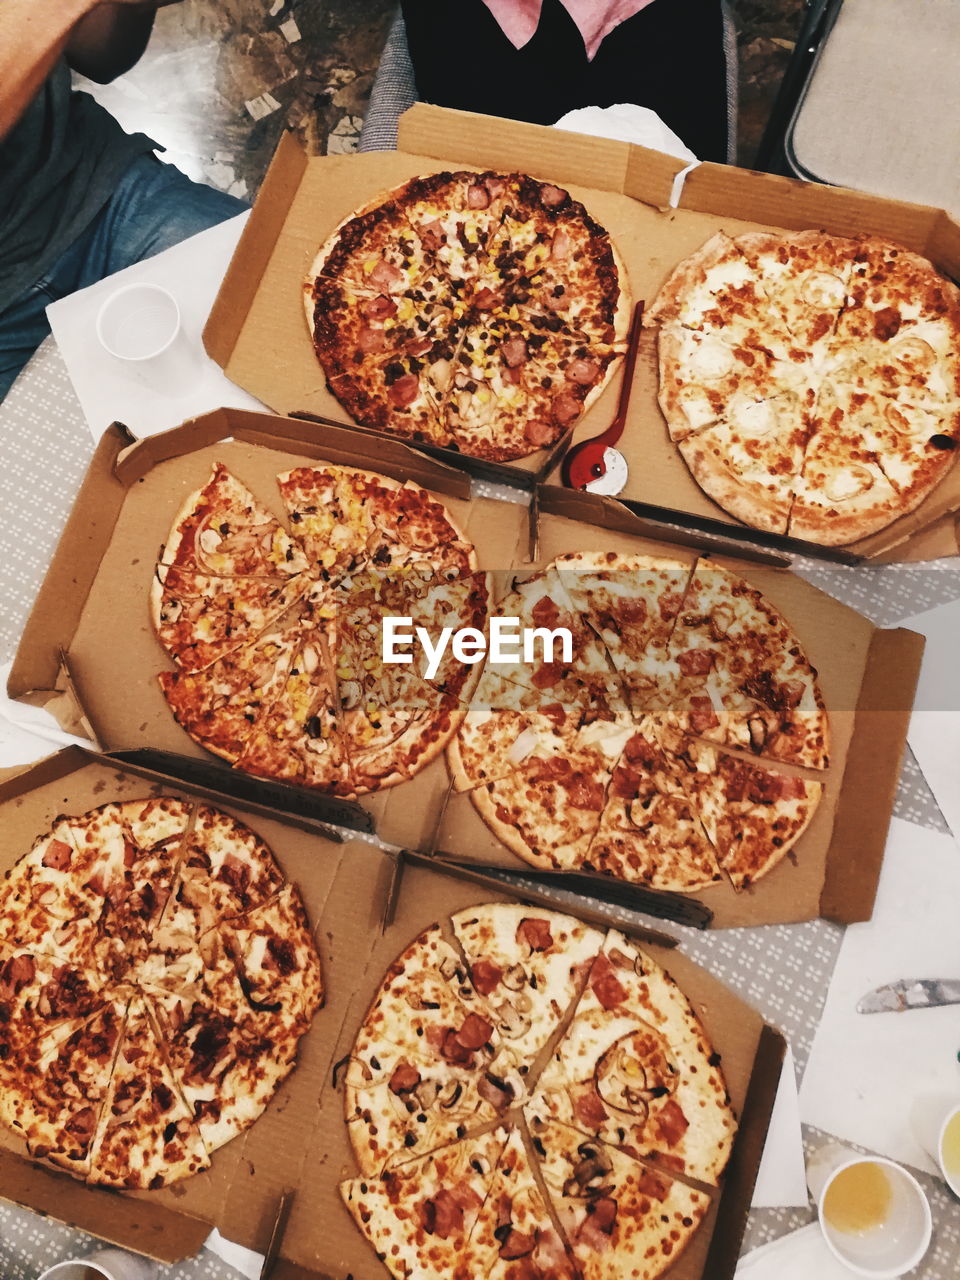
{"x": 515, "y": 978}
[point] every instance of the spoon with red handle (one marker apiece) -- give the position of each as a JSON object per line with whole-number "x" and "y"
{"x": 587, "y": 464}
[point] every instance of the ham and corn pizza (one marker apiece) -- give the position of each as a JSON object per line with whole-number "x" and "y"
{"x": 680, "y": 747}
{"x": 811, "y": 382}
{"x": 276, "y": 635}
{"x": 532, "y": 1099}
{"x": 156, "y": 975}
{"x": 482, "y": 312}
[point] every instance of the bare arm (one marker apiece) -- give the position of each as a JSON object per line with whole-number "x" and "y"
{"x": 32, "y": 38}
{"x": 100, "y": 39}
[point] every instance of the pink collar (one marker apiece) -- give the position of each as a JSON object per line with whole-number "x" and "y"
{"x": 595, "y": 19}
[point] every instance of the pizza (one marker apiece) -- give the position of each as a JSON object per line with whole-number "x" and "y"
{"x": 276, "y": 635}
{"x": 479, "y": 312}
{"x": 486, "y": 1159}
{"x": 156, "y": 974}
{"x": 811, "y": 382}
{"x": 682, "y": 745}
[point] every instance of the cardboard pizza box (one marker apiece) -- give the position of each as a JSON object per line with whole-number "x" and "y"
{"x": 256, "y": 330}
{"x": 365, "y": 906}
{"x": 90, "y": 654}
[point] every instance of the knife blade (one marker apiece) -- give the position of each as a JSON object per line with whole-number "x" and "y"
{"x": 911, "y": 993}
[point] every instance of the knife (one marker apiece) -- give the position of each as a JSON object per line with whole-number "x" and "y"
{"x": 911, "y": 993}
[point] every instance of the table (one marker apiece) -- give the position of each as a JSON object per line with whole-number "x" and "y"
{"x": 783, "y": 970}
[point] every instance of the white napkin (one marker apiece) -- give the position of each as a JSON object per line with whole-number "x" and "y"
{"x": 28, "y": 733}
{"x": 245, "y": 1261}
{"x": 782, "y": 1180}
{"x": 627, "y": 123}
{"x": 867, "y": 1070}
{"x": 193, "y": 272}
{"x": 934, "y": 734}
{"x": 802, "y": 1255}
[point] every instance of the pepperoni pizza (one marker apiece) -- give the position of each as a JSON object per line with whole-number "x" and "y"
{"x": 477, "y": 1159}
{"x": 482, "y": 312}
{"x": 156, "y": 975}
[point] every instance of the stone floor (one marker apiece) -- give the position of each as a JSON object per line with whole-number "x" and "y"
{"x": 222, "y": 78}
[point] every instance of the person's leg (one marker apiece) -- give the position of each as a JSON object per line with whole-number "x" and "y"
{"x": 154, "y": 207}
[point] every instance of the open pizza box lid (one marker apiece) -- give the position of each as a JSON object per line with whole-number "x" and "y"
{"x": 90, "y": 654}
{"x": 256, "y": 330}
{"x": 299, "y": 1145}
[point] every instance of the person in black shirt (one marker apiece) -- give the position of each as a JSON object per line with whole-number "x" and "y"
{"x": 669, "y": 57}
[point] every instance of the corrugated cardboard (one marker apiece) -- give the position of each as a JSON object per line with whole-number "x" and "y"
{"x": 256, "y": 330}
{"x": 300, "y": 1144}
{"x": 92, "y": 615}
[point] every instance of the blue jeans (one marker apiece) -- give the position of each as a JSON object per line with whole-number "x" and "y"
{"x": 153, "y": 207}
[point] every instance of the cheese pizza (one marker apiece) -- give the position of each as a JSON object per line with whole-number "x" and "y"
{"x": 478, "y": 1158}
{"x": 811, "y": 382}
{"x": 156, "y": 975}
{"x": 481, "y": 312}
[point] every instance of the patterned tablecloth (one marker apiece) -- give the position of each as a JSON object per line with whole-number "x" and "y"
{"x": 784, "y": 971}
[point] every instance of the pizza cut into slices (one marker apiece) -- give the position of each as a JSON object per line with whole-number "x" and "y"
{"x": 753, "y": 814}
{"x": 548, "y": 810}
{"x": 298, "y": 738}
{"x": 636, "y": 1070}
{"x": 222, "y": 530}
{"x": 738, "y": 674}
{"x": 620, "y": 1217}
{"x": 749, "y": 462}
{"x": 514, "y": 1237}
{"x": 199, "y": 618}
{"x": 649, "y": 832}
{"x": 55, "y": 1104}
{"x": 219, "y": 706}
{"x": 276, "y": 959}
{"x": 420, "y": 1214}
{"x": 528, "y": 966}
{"x": 146, "y": 1137}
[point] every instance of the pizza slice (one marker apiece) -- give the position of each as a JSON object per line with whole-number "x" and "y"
{"x": 333, "y": 510}
{"x": 894, "y": 295}
{"x": 146, "y": 1137}
{"x": 649, "y": 831}
{"x": 635, "y": 1069}
{"x": 297, "y": 738}
{"x": 806, "y": 277}
{"x": 514, "y": 1237}
{"x": 620, "y": 1217}
{"x": 631, "y": 602}
{"x": 227, "y": 1059}
{"x": 401, "y": 392}
{"x": 454, "y": 216}
{"x": 706, "y": 376}
{"x": 219, "y": 706}
{"x": 199, "y": 618}
{"x": 528, "y": 966}
{"x": 748, "y": 463}
{"x": 753, "y": 815}
{"x": 842, "y": 494}
{"x": 738, "y": 674}
{"x": 228, "y": 864}
{"x": 276, "y": 959}
{"x": 548, "y": 810}
{"x": 710, "y": 288}
{"x": 40, "y": 997}
{"x": 375, "y": 253}
{"x": 419, "y": 1072}
{"x": 55, "y": 1105}
{"x": 222, "y": 530}
{"x": 416, "y": 527}
{"x": 505, "y": 725}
